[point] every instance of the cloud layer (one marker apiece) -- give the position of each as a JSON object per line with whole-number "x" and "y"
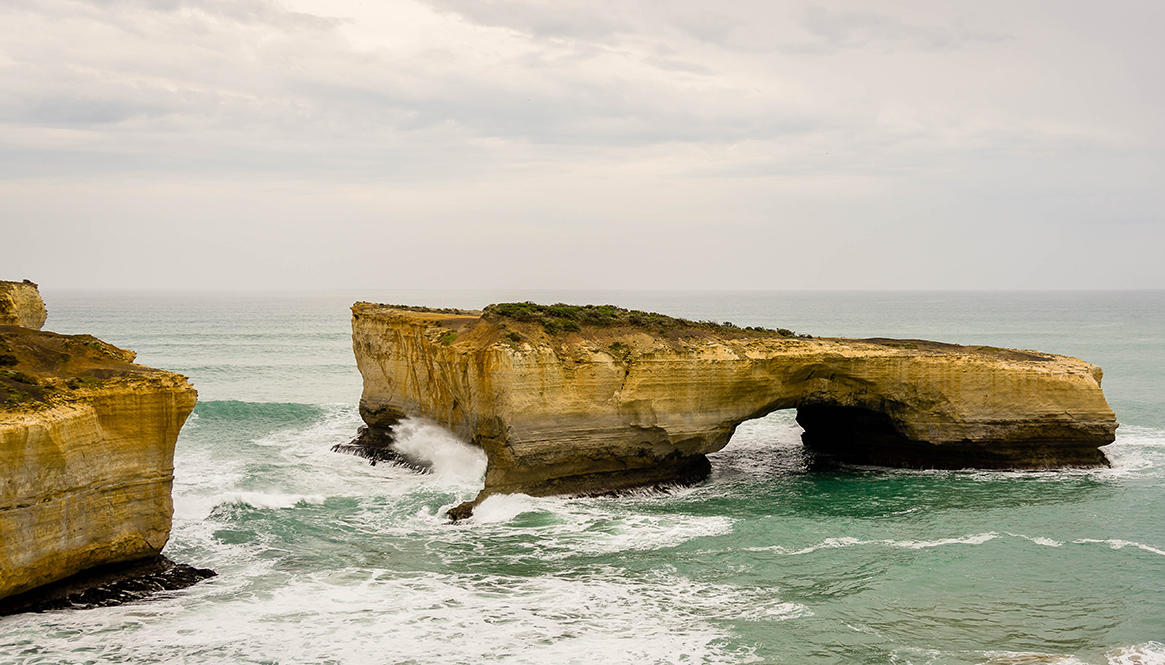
{"x": 565, "y": 144}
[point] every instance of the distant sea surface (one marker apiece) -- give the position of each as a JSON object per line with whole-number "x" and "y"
{"x": 323, "y": 558}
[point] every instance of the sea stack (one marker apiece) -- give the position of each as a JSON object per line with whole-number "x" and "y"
{"x": 86, "y": 453}
{"x": 21, "y": 305}
{"x": 567, "y": 399}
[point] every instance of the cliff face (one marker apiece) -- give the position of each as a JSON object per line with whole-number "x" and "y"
{"x": 21, "y": 305}
{"x": 86, "y": 455}
{"x": 601, "y": 408}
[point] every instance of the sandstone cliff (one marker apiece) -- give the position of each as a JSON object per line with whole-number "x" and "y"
{"x": 86, "y": 455}
{"x": 21, "y": 305}
{"x": 589, "y": 403}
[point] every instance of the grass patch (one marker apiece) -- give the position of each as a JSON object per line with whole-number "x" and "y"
{"x": 563, "y": 318}
{"x": 84, "y": 382}
{"x": 18, "y": 377}
{"x": 432, "y": 310}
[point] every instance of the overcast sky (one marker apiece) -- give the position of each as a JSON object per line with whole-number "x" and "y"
{"x": 411, "y": 144}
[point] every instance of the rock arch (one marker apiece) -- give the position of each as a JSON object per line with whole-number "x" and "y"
{"x": 600, "y": 409}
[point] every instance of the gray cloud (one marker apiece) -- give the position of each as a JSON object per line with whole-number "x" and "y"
{"x": 559, "y": 20}
{"x": 123, "y": 12}
{"x": 855, "y": 29}
{"x": 637, "y": 131}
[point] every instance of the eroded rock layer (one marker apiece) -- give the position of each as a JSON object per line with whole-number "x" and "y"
{"x": 595, "y": 408}
{"x": 86, "y": 455}
{"x": 21, "y": 305}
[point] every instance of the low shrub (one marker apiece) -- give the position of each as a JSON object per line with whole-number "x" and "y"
{"x": 563, "y": 318}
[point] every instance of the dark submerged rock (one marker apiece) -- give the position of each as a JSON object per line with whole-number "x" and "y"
{"x": 107, "y": 585}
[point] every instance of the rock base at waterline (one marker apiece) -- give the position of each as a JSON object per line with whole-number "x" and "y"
{"x": 86, "y": 452}
{"x": 111, "y": 584}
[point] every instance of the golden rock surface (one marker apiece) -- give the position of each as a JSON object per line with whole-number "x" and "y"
{"x": 21, "y": 305}
{"x": 604, "y": 408}
{"x": 86, "y": 455}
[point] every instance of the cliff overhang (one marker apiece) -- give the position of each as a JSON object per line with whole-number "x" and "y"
{"x": 568, "y": 399}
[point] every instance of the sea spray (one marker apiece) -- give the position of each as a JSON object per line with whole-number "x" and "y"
{"x": 447, "y": 457}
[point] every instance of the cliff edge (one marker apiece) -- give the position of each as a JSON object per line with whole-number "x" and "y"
{"x": 86, "y": 455}
{"x": 567, "y": 399}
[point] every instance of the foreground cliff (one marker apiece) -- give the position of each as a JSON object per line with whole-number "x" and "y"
{"x": 86, "y": 456}
{"x": 582, "y": 400}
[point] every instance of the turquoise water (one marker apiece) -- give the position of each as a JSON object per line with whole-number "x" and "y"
{"x": 325, "y": 559}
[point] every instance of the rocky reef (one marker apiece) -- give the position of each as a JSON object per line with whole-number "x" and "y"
{"x": 568, "y": 399}
{"x": 86, "y": 451}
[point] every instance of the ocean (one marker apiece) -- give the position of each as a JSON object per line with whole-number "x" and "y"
{"x": 323, "y": 558}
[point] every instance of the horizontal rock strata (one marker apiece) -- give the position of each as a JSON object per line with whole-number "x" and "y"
{"x": 581, "y": 408}
{"x": 86, "y": 456}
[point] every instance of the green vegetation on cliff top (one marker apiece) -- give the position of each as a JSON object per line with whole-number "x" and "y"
{"x": 39, "y": 368}
{"x": 561, "y": 317}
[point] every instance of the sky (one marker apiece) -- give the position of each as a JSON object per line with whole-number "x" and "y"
{"x": 529, "y": 144}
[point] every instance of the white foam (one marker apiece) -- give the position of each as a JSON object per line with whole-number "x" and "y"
{"x": 1151, "y": 437}
{"x": 847, "y": 541}
{"x": 359, "y": 616}
{"x": 1149, "y": 653}
{"x": 827, "y": 544}
{"x": 976, "y": 539}
{"x": 574, "y": 526}
{"x": 266, "y": 500}
{"x": 335, "y": 420}
{"x": 1029, "y": 658}
{"x": 1118, "y": 544}
{"x": 505, "y": 507}
{"x": 649, "y": 532}
{"x": 762, "y": 447}
{"x": 1038, "y": 540}
{"x": 1137, "y": 450}
{"x": 451, "y": 460}
{"x": 297, "y": 464}
{"x": 776, "y": 430}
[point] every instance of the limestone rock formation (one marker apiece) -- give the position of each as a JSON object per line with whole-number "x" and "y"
{"x": 570, "y": 401}
{"x": 21, "y": 305}
{"x": 86, "y": 455}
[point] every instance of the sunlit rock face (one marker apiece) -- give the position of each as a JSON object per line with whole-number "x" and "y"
{"x": 86, "y": 455}
{"x": 598, "y": 408}
{"x": 21, "y": 305}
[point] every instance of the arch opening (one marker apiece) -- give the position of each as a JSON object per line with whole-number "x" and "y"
{"x": 821, "y": 435}
{"x": 828, "y": 434}
{"x": 858, "y": 435}
{"x": 765, "y": 446}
